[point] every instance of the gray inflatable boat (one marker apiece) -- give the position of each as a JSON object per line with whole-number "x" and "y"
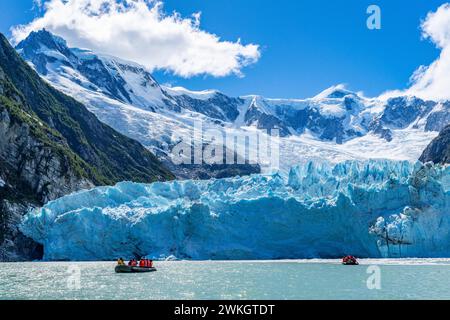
{"x": 130, "y": 269}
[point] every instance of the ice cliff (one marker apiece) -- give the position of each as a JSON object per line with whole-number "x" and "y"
{"x": 368, "y": 209}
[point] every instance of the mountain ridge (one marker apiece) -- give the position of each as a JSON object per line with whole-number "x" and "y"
{"x": 327, "y": 126}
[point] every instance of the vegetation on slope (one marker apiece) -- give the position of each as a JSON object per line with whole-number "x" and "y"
{"x": 97, "y": 151}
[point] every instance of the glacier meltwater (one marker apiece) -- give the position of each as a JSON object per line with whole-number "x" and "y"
{"x": 367, "y": 209}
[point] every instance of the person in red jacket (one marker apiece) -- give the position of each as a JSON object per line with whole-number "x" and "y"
{"x": 133, "y": 263}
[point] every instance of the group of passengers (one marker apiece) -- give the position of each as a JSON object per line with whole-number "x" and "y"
{"x": 143, "y": 263}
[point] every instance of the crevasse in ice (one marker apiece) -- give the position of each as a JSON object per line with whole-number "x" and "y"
{"x": 367, "y": 209}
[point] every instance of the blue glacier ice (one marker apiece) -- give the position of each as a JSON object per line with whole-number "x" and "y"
{"x": 368, "y": 209}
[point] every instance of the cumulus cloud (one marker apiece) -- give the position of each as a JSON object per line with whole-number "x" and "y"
{"x": 433, "y": 81}
{"x": 140, "y": 31}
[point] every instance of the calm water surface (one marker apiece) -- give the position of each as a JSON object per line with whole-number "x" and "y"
{"x": 316, "y": 279}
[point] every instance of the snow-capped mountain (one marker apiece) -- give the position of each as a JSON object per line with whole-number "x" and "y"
{"x": 335, "y": 125}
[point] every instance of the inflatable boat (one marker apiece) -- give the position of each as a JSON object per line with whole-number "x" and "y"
{"x": 131, "y": 269}
{"x": 350, "y": 263}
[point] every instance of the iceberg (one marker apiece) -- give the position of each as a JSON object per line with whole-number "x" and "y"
{"x": 374, "y": 209}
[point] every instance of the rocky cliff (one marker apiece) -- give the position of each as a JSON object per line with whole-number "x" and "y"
{"x": 439, "y": 149}
{"x": 34, "y": 168}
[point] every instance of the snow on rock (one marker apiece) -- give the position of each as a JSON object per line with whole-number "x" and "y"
{"x": 368, "y": 209}
{"x": 180, "y": 91}
{"x": 335, "y": 125}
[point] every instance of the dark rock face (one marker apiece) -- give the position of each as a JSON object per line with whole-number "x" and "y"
{"x": 209, "y": 171}
{"x": 298, "y": 119}
{"x": 377, "y": 127}
{"x": 203, "y": 171}
{"x": 31, "y": 174}
{"x": 437, "y": 120}
{"x": 95, "y": 71}
{"x": 27, "y": 161}
{"x": 14, "y": 246}
{"x": 265, "y": 121}
{"x": 438, "y": 151}
{"x": 401, "y": 112}
{"x": 327, "y": 128}
{"x": 219, "y": 106}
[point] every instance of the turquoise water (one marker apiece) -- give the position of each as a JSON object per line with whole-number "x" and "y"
{"x": 318, "y": 279}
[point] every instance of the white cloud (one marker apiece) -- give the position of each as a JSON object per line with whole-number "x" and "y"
{"x": 433, "y": 81}
{"x": 140, "y": 31}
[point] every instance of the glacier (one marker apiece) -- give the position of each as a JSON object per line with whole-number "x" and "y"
{"x": 376, "y": 208}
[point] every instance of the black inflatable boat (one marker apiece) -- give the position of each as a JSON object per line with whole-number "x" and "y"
{"x": 130, "y": 269}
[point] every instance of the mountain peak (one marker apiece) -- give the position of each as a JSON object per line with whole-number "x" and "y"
{"x": 45, "y": 38}
{"x": 41, "y": 47}
{"x": 335, "y": 92}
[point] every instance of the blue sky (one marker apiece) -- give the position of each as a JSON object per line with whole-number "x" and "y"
{"x": 306, "y": 46}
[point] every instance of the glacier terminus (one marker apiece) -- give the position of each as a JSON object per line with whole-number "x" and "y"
{"x": 374, "y": 208}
